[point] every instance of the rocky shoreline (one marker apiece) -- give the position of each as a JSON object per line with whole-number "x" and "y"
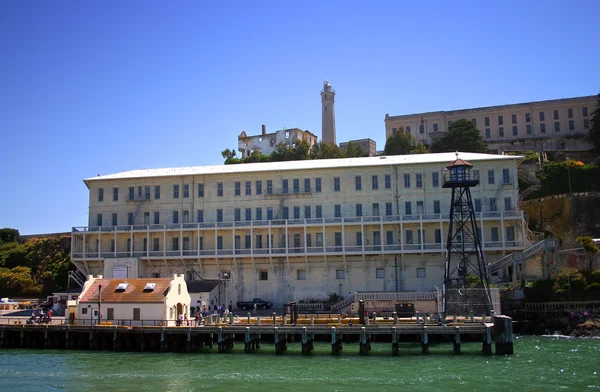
{"x": 564, "y": 325}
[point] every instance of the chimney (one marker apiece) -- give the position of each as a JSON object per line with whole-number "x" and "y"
{"x": 264, "y": 129}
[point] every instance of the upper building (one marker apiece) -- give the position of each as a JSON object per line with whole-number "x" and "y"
{"x": 368, "y": 146}
{"x": 328, "y": 114}
{"x": 294, "y": 230}
{"x": 558, "y": 118}
{"x": 267, "y": 142}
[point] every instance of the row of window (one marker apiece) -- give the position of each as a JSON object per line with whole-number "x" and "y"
{"x": 500, "y": 120}
{"x": 297, "y": 212}
{"x": 542, "y": 128}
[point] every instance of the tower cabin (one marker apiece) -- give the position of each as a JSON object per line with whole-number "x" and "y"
{"x": 458, "y": 174}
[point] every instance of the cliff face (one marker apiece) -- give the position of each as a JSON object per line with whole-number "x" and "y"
{"x": 566, "y": 217}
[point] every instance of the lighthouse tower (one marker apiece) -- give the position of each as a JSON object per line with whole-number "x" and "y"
{"x": 328, "y": 114}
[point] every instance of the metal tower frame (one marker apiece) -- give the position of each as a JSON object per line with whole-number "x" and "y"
{"x": 459, "y": 296}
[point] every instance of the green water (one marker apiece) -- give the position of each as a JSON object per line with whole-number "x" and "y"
{"x": 540, "y": 364}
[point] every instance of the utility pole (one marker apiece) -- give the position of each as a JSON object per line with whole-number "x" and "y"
{"x": 99, "y": 302}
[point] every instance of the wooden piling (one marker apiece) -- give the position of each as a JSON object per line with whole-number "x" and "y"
{"x": 425, "y": 342}
{"x": 336, "y": 341}
{"x": 457, "y": 340}
{"x": 395, "y": 347}
{"x": 503, "y": 331}
{"x": 486, "y": 346}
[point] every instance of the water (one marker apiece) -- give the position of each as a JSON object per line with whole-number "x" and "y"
{"x": 540, "y": 364}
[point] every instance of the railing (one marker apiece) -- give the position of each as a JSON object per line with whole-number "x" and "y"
{"x": 316, "y": 307}
{"x": 554, "y": 306}
{"x": 413, "y": 218}
{"x": 520, "y": 257}
{"x": 384, "y": 296}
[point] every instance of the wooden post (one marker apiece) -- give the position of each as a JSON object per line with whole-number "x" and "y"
{"x": 425, "y": 342}
{"x": 307, "y": 342}
{"x": 395, "y": 347}
{"x": 247, "y": 341}
{"x": 274, "y": 318}
{"x": 258, "y": 320}
{"x": 365, "y": 343}
{"x": 312, "y": 320}
{"x": 115, "y": 338}
{"x": 456, "y": 340}
{"x": 486, "y": 347}
{"x": 248, "y": 320}
{"x": 503, "y": 332}
{"x": 417, "y": 317}
{"x": 336, "y": 342}
{"x": 395, "y": 316}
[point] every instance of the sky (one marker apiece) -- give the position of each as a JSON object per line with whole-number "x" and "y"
{"x": 99, "y": 87}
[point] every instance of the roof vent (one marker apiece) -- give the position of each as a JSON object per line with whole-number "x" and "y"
{"x": 122, "y": 287}
{"x": 150, "y": 287}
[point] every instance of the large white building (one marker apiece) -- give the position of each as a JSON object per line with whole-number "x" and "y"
{"x": 557, "y": 118}
{"x": 294, "y": 230}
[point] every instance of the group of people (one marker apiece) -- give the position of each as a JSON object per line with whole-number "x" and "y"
{"x": 39, "y": 316}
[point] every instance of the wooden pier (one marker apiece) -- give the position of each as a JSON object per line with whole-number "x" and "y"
{"x": 225, "y": 335}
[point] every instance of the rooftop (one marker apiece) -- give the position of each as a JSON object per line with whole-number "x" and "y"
{"x": 134, "y": 291}
{"x": 441, "y": 158}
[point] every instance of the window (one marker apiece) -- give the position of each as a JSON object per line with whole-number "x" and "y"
{"x": 186, "y": 243}
{"x": 300, "y": 274}
{"x": 115, "y": 194}
{"x": 556, "y": 126}
{"x": 247, "y": 241}
{"x": 388, "y": 181}
{"x": 136, "y": 314}
{"x": 407, "y": 208}
{"x": 493, "y": 206}
{"x": 258, "y": 186}
{"x": 487, "y": 133}
{"x": 394, "y": 130}
{"x": 437, "y": 233}
{"x": 380, "y": 273}
{"x": 477, "y": 205}
{"x": 100, "y": 194}
{"x": 421, "y": 273}
{"x": 420, "y": 207}
{"x": 500, "y": 120}
{"x": 248, "y": 191}
{"x": 340, "y": 274}
{"x": 308, "y": 240}
{"x": 584, "y": 111}
{"x": 388, "y": 209}
{"x": 296, "y": 185}
{"x": 529, "y": 129}
{"x": 306, "y": 212}
{"x": 555, "y": 115}
{"x": 375, "y": 209}
{"x": 156, "y": 217}
{"x": 318, "y": 184}
{"x": 407, "y": 180}
{"x": 175, "y": 217}
{"x": 336, "y": 184}
{"x": 435, "y": 127}
{"x": 541, "y": 116}
{"x": 200, "y": 216}
{"x": 514, "y": 118}
{"x": 337, "y": 210}
{"x": 258, "y": 213}
{"x": 528, "y": 117}
{"x": 435, "y": 179}
{"x": 419, "y": 180}
{"x": 494, "y": 234}
{"x": 486, "y": 121}
{"x": 258, "y": 241}
{"x": 307, "y": 185}
{"x": 186, "y": 216}
{"x": 175, "y": 191}
{"x": 175, "y": 243}
{"x": 269, "y": 187}
{"x": 510, "y": 233}
{"x": 286, "y": 212}
{"x": 139, "y": 194}
{"x": 374, "y": 183}
{"x": 200, "y": 190}
{"x": 586, "y": 123}
{"x": 248, "y": 214}
{"x": 389, "y": 237}
{"x": 436, "y": 206}
{"x": 155, "y": 244}
{"x": 263, "y": 275}
{"x": 296, "y": 212}
{"x": 515, "y": 130}
{"x": 357, "y": 183}
{"x": 359, "y": 240}
{"x": 501, "y": 132}
{"x": 237, "y": 214}
{"x": 409, "y": 237}
{"x": 421, "y": 128}
{"x": 543, "y": 128}
{"x": 114, "y": 219}
{"x": 491, "y": 179}
{"x": 358, "y": 209}
{"x": 201, "y": 243}
{"x": 507, "y": 204}
{"x": 147, "y": 192}
{"x": 506, "y": 176}
{"x": 186, "y": 191}
{"x": 318, "y": 212}
{"x": 474, "y": 121}
{"x": 220, "y": 189}
{"x": 284, "y": 186}
{"x": 408, "y": 129}
{"x": 338, "y": 240}
{"x": 570, "y": 113}
{"x": 130, "y": 218}
{"x": 571, "y": 125}
{"x": 157, "y": 192}
{"x": 319, "y": 240}
{"x": 238, "y": 188}
{"x": 219, "y": 215}
{"x": 220, "y": 242}
{"x": 83, "y": 310}
{"x": 269, "y": 213}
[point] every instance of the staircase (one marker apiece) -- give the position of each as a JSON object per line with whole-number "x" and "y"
{"x": 521, "y": 257}
{"x": 76, "y": 276}
{"x": 338, "y": 307}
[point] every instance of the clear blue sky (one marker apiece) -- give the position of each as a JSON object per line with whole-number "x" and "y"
{"x": 97, "y": 87}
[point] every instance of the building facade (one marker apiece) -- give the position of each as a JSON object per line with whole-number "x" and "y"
{"x": 368, "y": 146}
{"x": 294, "y": 230}
{"x": 267, "y": 142}
{"x": 558, "y": 118}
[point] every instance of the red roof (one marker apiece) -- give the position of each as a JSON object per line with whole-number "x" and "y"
{"x": 133, "y": 293}
{"x": 459, "y": 162}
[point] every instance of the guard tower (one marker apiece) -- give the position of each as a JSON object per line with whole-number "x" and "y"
{"x": 462, "y": 296}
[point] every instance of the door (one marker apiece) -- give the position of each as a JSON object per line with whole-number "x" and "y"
{"x": 110, "y": 313}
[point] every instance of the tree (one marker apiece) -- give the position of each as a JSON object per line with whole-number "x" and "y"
{"x": 8, "y": 235}
{"x": 326, "y": 151}
{"x": 590, "y": 247}
{"x": 353, "y": 151}
{"x": 462, "y": 135}
{"x": 594, "y": 135}
{"x": 400, "y": 143}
